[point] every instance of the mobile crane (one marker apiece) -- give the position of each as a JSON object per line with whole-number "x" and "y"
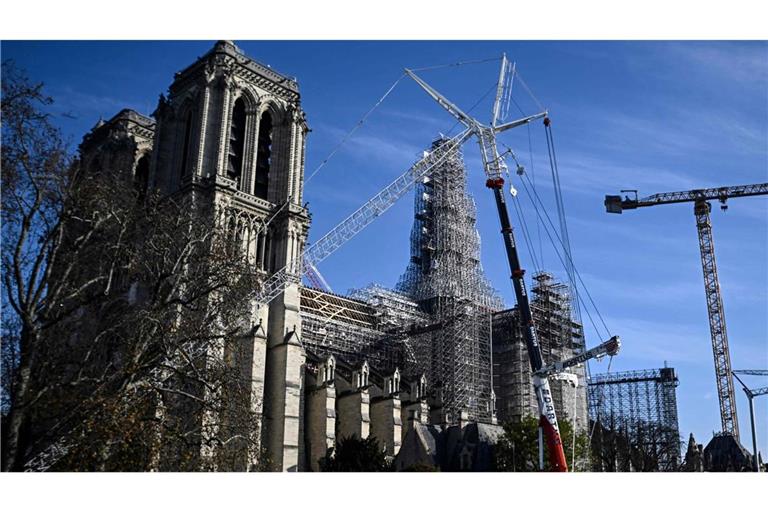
{"x": 494, "y": 168}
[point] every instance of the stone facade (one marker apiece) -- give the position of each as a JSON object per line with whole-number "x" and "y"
{"x": 231, "y": 136}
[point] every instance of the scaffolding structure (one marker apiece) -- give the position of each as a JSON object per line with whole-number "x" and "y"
{"x": 445, "y": 278}
{"x": 445, "y": 243}
{"x": 394, "y": 312}
{"x": 443, "y": 317}
{"x": 559, "y": 338}
{"x": 641, "y": 406}
{"x": 348, "y": 329}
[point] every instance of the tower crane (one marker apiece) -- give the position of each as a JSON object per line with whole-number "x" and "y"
{"x": 751, "y": 394}
{"x": 701, "y": 209}
{"x": 494, "y": 168}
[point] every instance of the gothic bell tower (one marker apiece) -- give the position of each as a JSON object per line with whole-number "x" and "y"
{"x": 231, "y": 134}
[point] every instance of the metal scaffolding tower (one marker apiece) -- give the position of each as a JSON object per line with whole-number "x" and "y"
{"x": 445, "y": 243}
{"x": 641, "y": 405}
{"x": 559, "y": 338}
{"x": 445, "y": 277}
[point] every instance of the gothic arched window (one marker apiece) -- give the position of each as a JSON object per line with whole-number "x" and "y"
{"x": 236, "y": 141}
{"x": 263, "y": 156}
{"x": 141, "y": 176}
{"x": 187, "y": 143}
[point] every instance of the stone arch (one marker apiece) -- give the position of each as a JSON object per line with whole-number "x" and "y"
{"x": 272, "y": 148}
{"x": 236, "y": 142}
{"x": 249, "y": 96}
{"x": 243, "y": 112}
{"x": 141, "y": 174}
{"x": 186, "y": 130}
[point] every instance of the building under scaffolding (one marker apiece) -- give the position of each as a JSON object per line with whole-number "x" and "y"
{"x": 445, "y": 278}
{"x": 437, "y": 321}
{"x": 443, "y": 315}
{"x": 559, "y": 338}
{"x": 636, "y": 417}
{"x": 374, "y": 329}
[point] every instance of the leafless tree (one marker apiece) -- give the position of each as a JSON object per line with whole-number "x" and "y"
{"x": 35, "y": 168}
{"x": 133, "y": 334}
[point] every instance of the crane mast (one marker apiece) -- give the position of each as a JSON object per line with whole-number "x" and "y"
{"x": 715, "y": 310}
{"x": 716, "y": 314}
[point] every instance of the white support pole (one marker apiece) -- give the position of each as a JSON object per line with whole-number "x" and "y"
{"x": 541, "y": 449}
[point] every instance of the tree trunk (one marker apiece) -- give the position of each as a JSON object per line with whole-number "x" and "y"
{"x": 15, "y": 447}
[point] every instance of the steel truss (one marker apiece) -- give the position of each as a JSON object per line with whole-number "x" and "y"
{"x": 373, "y": 329}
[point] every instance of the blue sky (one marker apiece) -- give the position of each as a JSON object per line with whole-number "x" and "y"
{"x": 652, "y": 116}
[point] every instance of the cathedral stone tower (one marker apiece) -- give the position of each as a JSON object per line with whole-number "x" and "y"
{"x": 231, "y": 136}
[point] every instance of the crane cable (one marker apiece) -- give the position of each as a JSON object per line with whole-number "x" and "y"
{"x": 526, "y": 233}
{"x": 354, "y": 129}
{"x": 557, "y": 251}
{"x": 572, "y": 269}
{"x": 533, "y": 194}
{"x": 379, "y": 102}
{"x": 522, "y": 220}
{"x": 533, "y": 169}
{"x": 561, "y": 212}
{"x": 455, "y": 64}
{"x": 530, "y": 93}
{"x": 533, "y": 185}
{"x": 469, "y": 111}
{"x": 574, "y": 274}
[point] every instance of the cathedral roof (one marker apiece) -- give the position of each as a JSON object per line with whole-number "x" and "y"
{"x": 126, "y": 121}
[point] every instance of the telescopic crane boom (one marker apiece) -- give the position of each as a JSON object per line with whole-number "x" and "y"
{"x": 701, "y": 209}
{"x": 607, "y": 348}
